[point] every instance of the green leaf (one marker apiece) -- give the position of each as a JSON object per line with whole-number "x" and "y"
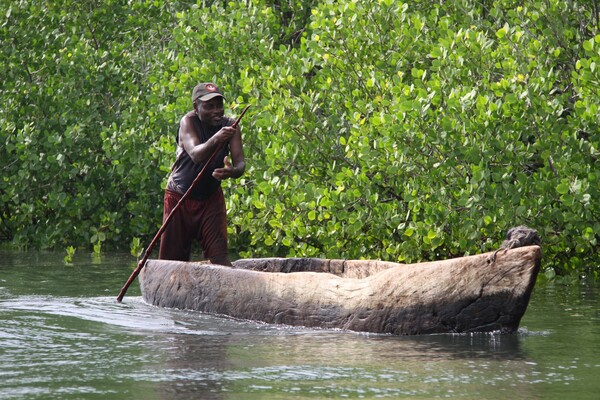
{"x": 563, "y": 188}
{"x": 258, "y": 204}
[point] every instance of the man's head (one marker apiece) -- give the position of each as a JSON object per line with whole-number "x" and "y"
{"x": 208, "y": 103}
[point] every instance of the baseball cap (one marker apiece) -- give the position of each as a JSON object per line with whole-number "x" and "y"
{"x": 206, "y": 91}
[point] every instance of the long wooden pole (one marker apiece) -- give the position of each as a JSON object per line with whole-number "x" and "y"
{"x": 142, "y": 263}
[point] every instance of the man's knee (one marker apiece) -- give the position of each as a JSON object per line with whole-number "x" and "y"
{"x": 220, "y": 260}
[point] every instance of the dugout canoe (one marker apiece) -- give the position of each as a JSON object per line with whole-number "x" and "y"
{"x": 476, "y": 293}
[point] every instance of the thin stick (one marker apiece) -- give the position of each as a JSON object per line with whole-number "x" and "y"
{"x": 142, "y": 263}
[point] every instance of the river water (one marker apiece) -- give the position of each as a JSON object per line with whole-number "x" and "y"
{"x": 64, "y": 336}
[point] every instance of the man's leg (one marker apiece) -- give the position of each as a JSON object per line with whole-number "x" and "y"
{"x": 176, "y": 240}
{"x": 213, "y": 235}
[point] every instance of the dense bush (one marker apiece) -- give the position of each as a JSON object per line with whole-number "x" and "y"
{"x": 379, "y": 129}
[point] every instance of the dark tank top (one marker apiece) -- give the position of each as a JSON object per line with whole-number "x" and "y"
{"x": 185, "y": 170}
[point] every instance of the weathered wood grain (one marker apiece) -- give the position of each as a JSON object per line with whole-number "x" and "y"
{"x": 465, "y": 294}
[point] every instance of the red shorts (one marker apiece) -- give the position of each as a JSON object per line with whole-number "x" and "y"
{"x": 201, "y": 220}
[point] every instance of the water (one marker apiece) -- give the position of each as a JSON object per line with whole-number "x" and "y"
{"x": 64, "y": 336}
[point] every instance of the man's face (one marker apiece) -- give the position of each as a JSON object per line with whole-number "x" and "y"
{"x": 211, "y": 111}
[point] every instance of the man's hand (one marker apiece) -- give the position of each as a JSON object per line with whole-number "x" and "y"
{"x": 228, "y": 171}
{"x": 224, "y": 134}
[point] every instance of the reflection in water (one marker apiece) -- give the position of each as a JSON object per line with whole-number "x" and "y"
{"x": 337, "y": 363}
{"x": 63, "y": 335}
{"x": 184, "y": 353}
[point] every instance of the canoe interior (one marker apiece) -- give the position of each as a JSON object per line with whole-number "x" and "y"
{"x": 356, "y": 269}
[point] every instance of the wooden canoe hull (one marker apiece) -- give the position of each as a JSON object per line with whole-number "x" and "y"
{"x": 468, "y": 294}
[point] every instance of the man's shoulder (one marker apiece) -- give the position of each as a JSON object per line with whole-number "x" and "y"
{"x": 190, "y": 115}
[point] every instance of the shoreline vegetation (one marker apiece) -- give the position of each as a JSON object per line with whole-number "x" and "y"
{"x": 378, "y": 130}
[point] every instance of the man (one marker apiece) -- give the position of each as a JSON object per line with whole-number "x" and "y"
{"x": 202, "y": 216}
